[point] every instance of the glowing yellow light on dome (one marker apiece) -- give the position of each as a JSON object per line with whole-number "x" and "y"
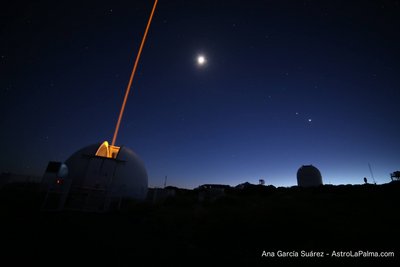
{"x": 107, "y": 151}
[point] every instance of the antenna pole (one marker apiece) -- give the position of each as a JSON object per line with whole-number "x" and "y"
{"x": 128, "y": 88}
{"x": 372, "y": 175}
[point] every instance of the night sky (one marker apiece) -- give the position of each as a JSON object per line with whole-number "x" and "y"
{"x": 286, "y": 83}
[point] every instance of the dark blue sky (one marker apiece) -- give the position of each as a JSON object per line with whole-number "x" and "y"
{"x": 286, "y": 83}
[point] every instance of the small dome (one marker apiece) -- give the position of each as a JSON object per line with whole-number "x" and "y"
{"x": 308, "y": 176}
{"x": 122, "y": 175}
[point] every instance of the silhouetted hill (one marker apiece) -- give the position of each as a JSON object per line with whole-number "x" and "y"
{"x": 234, "y": 227}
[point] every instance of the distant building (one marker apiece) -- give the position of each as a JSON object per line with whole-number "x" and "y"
{"x": 156, "y": 195}
{"x": 244, "y": 185}
{"x": 211, "y": 192}
{"x": 9, "y": 178}
{"x": 309, "y": 176}
{"x": 395, "y": 176}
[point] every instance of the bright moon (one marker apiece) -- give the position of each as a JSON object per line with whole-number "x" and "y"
{"x": 201, "y": 60}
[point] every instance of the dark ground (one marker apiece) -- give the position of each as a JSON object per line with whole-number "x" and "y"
{"x": 234, "y": 229}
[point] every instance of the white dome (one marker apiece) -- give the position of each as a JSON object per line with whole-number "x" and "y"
{"x": 308, "y": 176}
{"x": 122, "y": 176}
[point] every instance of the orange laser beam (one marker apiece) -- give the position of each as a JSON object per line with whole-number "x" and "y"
{"x": 128, "y": 88}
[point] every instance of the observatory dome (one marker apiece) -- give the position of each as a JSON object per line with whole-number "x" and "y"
{"x": 115, "y": 170}
{"x": 308, "y": 176}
